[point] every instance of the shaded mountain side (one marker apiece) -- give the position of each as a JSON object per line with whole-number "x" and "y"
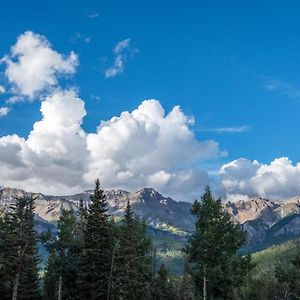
{"x": 260, "y": 236}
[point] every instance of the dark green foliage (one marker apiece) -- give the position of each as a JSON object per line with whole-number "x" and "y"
{"x": 164, "y": 287}
{"x": 19, "y": 258}
{"x": 81, "y": 222}
{"x": 186, "y": 291}
{"x": 132, "y": 279}
{"x": 212, "y": 249}
{"x": 62, "y": 266}
{"x": 6, "y": 272}
{"x": 51, "y": 276}
{"x": 95, "y": 260}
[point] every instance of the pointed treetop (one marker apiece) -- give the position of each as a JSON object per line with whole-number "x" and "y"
{"x": 128, "y": 214}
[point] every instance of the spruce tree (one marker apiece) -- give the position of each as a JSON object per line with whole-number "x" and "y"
{"x": 212, "y": 250}
{"x": 51, "y": 276}
{"x": 95, "y": 260}
{"x": 23, "y": 257}
{"x": 133, "y": 259}
{"x": 81, "y": 221}
{"x": 6, "y": 271}
{"x": 185, "y": 289}
{"x": 62, "y": 267}
{"x": 164, "y": 288}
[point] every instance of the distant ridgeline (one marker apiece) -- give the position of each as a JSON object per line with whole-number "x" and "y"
{"x": 170, "y": 222}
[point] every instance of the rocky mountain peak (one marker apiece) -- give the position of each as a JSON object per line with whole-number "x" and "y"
{"x": 149, "y": 192}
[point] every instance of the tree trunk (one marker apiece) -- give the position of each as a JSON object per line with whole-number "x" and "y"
{"x": 154, "y": 263}
{"x": 111, "y": 273}
{"x": 59, "y": 288}
{"x": 204, "y": 284}
{"x": 16, "y": 285}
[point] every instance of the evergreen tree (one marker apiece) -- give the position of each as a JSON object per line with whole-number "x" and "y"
{"x": 185, "y": 289}
{"x": 6, "y": 272}
{"x": 113, "y": 288}
{"x": 164, "y": 289}
{"x": 51, "y": 276}
{"x": 81, "y": 221}
{"x": 212, "y": 250}
{"x": 62, "y": 267}
{"x": 95, "y": 260}
{"x": 133, "y": 260}
{"x": 23, "y": 258}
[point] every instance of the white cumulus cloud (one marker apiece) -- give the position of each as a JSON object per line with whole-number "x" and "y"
{"x": 277, "y": 180}
{"x": 148, "y": 147}
{"x": 145, "y": 147}
{"x": 33, "y": 66}
{"x": 53, "y": 157}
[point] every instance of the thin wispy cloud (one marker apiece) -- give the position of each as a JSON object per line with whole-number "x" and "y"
{"x": 14, "y": 99}
{"x": 93, "y": 15}
{"x": 95, "y": 97}
{"x": 283, "y": 87}
{"x": 122, "y": 50}
{"x": 79, "y": 37}
{"x": 239, "y": 129}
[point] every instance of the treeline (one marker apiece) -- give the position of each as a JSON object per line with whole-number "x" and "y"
{"x": 94, "y": 257}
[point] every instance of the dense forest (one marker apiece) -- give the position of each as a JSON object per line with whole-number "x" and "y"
{"x": 93, "y": 256}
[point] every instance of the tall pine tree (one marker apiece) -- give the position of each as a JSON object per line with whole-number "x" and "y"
{"x": 133, "y": 260}
{"x": 212, "y": 250}
{"x": 6, "y": 271}
{"x": 62, "y": 266}
{"x": 23, "y": 257}
{"x": 95, "y": 261}
{"x": 164, "y": 288}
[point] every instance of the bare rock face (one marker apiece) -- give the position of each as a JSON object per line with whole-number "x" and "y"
{"x": 252, "y": 209}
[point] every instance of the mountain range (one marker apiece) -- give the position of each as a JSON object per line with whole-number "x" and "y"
{"x": 266, "y": 222}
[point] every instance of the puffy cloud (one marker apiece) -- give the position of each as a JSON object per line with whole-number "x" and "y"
{"x": 4, "y": 111}
{"x": 145, "y": 147}
{"x": 53, "y": 157}
{"x": 2, "y": 89}
{"x": 34, "y": 66}
{"x": 149, "y": 148}
{"x": 277, "y": 180}
{"x": 121, "y": 50}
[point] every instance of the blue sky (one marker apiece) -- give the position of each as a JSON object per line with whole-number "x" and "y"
{"x": 233, "y": 65}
